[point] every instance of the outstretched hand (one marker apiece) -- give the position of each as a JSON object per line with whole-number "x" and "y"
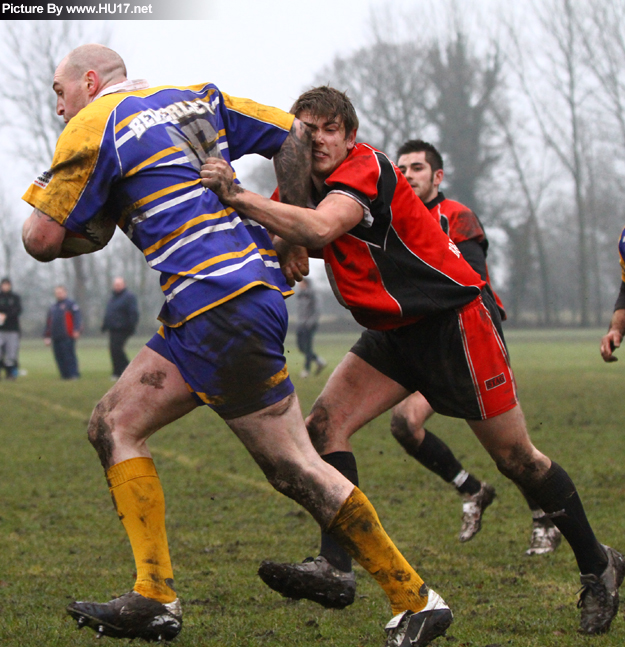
{"x": 218, "y": 176}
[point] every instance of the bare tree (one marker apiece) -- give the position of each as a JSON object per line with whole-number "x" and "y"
{"x": 558, "y": 109}
{"x": 386, "y": 82}
{"x": 529, "y": 233}
{"x": 464, "y": 90}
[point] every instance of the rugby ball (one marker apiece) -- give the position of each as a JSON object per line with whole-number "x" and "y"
{"x": 98, "y": 231}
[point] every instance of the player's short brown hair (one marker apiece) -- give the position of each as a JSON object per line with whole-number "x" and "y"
{"x": 432, "y": 156}
{"x": 325, "y": 101}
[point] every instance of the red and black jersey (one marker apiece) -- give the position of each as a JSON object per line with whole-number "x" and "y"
{"x": 397, "y": 265}
{"x": 462, "y": 225}
{"x": 458, "y": 221}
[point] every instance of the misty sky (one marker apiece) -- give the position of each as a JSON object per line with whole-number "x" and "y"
{"x": 267, "y": 50}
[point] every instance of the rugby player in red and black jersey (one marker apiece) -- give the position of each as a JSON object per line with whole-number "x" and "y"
{"x": 422, "y": 165}
{"x": 431, "y": 327}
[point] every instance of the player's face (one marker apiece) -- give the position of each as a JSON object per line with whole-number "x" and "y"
{"x": 330, "y": 145}
{"x": 420, "y": 176}
{"x": 72, "y": 93}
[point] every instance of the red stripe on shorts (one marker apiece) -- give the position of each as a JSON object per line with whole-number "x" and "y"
{"x": 487, "y": 360}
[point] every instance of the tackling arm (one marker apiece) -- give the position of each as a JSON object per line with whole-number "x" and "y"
{"x": 313, "y": 228}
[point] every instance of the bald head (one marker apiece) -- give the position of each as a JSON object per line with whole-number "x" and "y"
{"x": 83, "y": 74}
{"x": 119, "y": 284}
{"x": 106, "y": 62}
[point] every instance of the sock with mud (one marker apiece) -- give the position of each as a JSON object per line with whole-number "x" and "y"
{"x": 140, "y": 503}
{"x": 357, "y": 528}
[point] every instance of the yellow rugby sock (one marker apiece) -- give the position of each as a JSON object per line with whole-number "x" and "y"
{"x": 140, "y": 503}
{"x": 357, "y": 528}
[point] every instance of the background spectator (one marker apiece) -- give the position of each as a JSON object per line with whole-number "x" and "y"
{"x": 120, "y": 320}
{"x": 10, "y": 311}
{"x": 307, "y": 322}
{"x": 63, "y": 327}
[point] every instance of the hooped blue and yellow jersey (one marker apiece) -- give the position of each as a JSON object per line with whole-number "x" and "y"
{"x": 137, "y": 157}
{"x": 621, "y": 250}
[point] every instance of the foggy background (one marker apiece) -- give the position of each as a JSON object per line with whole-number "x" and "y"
{"x": 526, "y": 104}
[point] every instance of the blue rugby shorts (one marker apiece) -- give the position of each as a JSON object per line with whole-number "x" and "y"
{"x": 232, "y": 356}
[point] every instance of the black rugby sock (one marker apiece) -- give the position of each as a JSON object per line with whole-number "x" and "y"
{"x": 538, "y": 514}
{"x": 557, "y": 496}
{"x": 345, "y": 463}
{"x": 436, "y": 456}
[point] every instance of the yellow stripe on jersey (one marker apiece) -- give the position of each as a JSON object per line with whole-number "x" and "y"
{"x": 622, "y": 262}
{"x": 154, "y": 158}
{"x": 214, "y": 261}
{"x": 187, "y": 225}
{"x": 210, "y": 306}
{"x": 158, "y": 194}
{"x": 258, "y": 111}
{"x": 122, "y": 124}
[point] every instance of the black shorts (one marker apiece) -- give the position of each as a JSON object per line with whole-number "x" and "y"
{"x": 458, "y": 360}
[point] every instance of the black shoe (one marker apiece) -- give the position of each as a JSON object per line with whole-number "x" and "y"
{"x": 314, "y": 579}
{"x": 409, "y": 629}
{"x": 599, "y": 595}
{"x": 130, "y": 616}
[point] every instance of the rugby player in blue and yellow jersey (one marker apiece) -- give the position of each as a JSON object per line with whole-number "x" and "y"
{"x": 431, "y": 326}
{"x": 613, "y": 338}
{"x": 134, "y": 153}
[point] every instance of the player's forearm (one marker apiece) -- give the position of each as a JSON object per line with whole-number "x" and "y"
{"x": 296, "y": 225}
{"x": 293, "y": 165}
{"x": 617, "y": 323}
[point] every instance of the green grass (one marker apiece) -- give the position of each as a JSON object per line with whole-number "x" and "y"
{"x": 60, "y": 539}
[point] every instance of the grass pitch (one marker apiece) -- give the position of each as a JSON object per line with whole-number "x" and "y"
{"x": 60, "y": 539}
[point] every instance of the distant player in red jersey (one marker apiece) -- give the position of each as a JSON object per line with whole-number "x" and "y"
{"x": 422, "y": 165}
{"x": 431, "y": 327}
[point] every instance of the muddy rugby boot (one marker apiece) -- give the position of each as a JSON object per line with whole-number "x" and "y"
{"x": 314, "y": 579}
{"x": 545, "y": 538}
{"x": 410, "y": 629}
{"x": 130, "y": 616}
{"x": 473, "y": 507}
{"x": 599, "y": 595}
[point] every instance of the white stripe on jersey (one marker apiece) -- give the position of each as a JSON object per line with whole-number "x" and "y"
{"x": 220, "y": 272}
{"x": 181, "y": 242}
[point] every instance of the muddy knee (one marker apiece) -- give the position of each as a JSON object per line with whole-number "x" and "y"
{"x": 521, "y": 466}
{"x": 100, "y": 432}
{"x": 318, "y": 427}
{"x": 399, "y": 426}
{"x": 405, "y": 433}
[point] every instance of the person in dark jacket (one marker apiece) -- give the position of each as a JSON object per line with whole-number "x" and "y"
{"x": 307, "y": 322}
{"x": 63, "y": 328}
{"x": 120, "y": 320}
{"x": 10, "y": 311}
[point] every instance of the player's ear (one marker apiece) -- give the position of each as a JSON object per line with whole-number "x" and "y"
{"x": 438, "y": 176}
{"x": 92, "y": 81}
{"x": 351, "y": 140}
